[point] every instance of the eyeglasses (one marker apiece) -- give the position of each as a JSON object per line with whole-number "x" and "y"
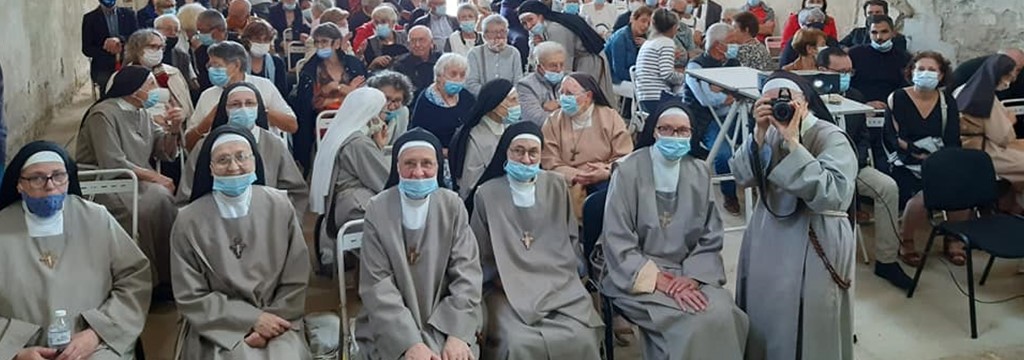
{"x": 520, "y": 152}
{"x": 39, "y": 181}
{"x": 225, "y": 161}
{"x": 671, "y": 131}
{"x": 495, "y": 35}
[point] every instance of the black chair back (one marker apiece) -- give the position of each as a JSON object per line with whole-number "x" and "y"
{"x": 958, "y": 179}
{"x": 593, "y": 222}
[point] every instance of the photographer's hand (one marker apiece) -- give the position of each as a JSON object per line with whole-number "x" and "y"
{"x": 762, "y": 118}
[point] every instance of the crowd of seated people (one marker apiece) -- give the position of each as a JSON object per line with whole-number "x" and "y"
{"x": 473, "y": 142}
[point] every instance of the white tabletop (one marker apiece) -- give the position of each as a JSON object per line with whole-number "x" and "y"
{"x": 847, "y": 107}
{"x": 729, "y": 78}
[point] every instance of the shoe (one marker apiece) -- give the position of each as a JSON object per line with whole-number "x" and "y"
{"x": 892, "y": 273}
{"x": 732, "y": 205}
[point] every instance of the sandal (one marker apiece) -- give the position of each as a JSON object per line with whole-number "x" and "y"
{"x": 908, "y": 255}
{"x": 955, "y": 253}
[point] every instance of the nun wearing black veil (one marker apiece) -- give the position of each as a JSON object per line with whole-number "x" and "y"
{"x": 61, "y": 252}
{"x": 239, "y": 259}
{"x": 419, "y": 276}
{"x": 118, "y": 133}
{"x": 537, "y": 307}
{"x": 497, "y": 107}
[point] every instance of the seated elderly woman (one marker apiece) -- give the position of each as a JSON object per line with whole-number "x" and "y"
{"x": 257, "y": 37}
{"x": 240, "y": 262}
{"x": 446, "y": 104}
{"x": 496, "y": 108}
{"x": 398, "y": 90}
{"x": 118, "y": 133}
{"x": 465, "y": 37}
{"x": 494, "y": 59}
{"x": 383, "y": 42}
{"x": 146, "y": 48}
{"x": 61, "y": 255}
{"x": 350, "y": 167}
{"x": 538, "y": 91}
{"x": 810, "y": 19}
{"x": 806, "y": 43}
{"x": 242, "y": 106}
{"x": 324, "y": 82}
{"x": 584, "y": 137}
{"x": 337, "y": 17}
{"x": 537, "y": 307}
{"x": 663, "y": 239}
{"x": 229, "y": 64}
{"x": 752, "y": 53}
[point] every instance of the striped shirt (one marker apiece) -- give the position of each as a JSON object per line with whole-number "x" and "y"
{"x": 655, "y": 68}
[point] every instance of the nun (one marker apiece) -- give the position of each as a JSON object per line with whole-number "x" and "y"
{"x": 239, "y": 259}
{"x": 59, "y": 252}
{"x": 241, "y": 105}
{"x": 806, "y": 170}
{"x": 419, "y": 278}
{"x": 537, "y": 307}
{"x": 584, "y": 46}
{"x": 350, "y": 167}
{"x": 496, "y": 108}
{"x": 118, "y": 133}
{"x": 662, "y": 244}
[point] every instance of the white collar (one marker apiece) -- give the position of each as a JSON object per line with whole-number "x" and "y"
{"x": 414, "y": 211}
{"x": 125, "y": 105}
{"x": 584, "y": 120}
{"x": 523, "y": 193}
{"x": 496, "y": 128}
{"x": 233, "y": 207}
{"x": 40, "y": 226}
{"x": 666, "y": 172}
{"x": 808, "y": 123}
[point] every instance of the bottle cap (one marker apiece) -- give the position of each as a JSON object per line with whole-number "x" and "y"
{"x": 60, "y": 313}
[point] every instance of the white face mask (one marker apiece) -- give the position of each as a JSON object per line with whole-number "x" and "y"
{"x": 151, "y": 58}
{"x": 259, "y": 50}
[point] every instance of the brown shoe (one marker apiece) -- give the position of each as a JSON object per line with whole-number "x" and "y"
{"x": 732, "y": 205}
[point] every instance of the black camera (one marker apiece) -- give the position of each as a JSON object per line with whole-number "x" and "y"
{"x": 782, "y": 107}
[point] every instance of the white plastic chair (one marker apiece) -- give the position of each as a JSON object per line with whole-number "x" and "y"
{"x": 348, "y": 240}
{"x": 299, "y": 64}
{"x": 774, "y": 45}
{"x": 323, "y": 121}
{"x": 116, "y": 184}
{"x": 292, "y": 48}
{"x": 636, "y": 122}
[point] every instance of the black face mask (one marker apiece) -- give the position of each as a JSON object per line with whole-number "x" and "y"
{"x": 171, "y": 42}
{"x": 817, "y": 25}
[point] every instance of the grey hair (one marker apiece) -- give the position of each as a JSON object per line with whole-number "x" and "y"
{"x": 448, "y": 60}
{"x": 231, "y": 52}
{"x": 547, "y": 49}
{"x": 717, "y": 33}
{"x": 374, "y": 3}
{"x": 167, "y": 17}
{"x": 493, "y": 19}
{"x": 393, "y": 79}
{"x": 731, "y": 12}
{"x": 384, "y": 12}
{"x": 214, "y": 18}
{"x": 322, "y": 5}
{"x": 188, "y": 15}
{"x": 470, "y": 7}
{"x": 136, "y": 45}
{"x": 811, "y": 15}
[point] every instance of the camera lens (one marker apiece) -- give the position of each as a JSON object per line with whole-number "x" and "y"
{"x": 782, "y": 111}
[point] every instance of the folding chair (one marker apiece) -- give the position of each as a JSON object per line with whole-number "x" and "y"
{"x": 957, "y": 179}
{"x": 348, "y": 240}
{"x": 636, "y": 123}
{"x": 299, "y": 65}
{"x": 593, "y": 224}
{"x": 116, "y": 184}
{"x": 323, "y": 121}
{"x": 774, "y": 45}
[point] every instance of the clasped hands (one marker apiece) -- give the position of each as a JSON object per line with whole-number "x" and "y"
{"x": 454, "y": 349}
{"x": 684, "y": 290}
{"x": 268, "y": 326}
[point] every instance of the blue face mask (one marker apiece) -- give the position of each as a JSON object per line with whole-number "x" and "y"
{"x": 521, "y": 172}
{"x": 568, "y": 104}
{"x": 844, "y": 82}
{"x": 651, "y": 3}
{"x": 440, "y": 10}
{"x": 515, "y": 113}
{"x": 599, "y": 2}
{"x": 452, "y": 87}
{"x": 45, "y": 206}
{"x": 883, "y": 47}
{"x": 732, "y": 51}
{"x": 537, "y": 29}
{"x": 169, "y": 11}
{"x": 382, "y": 30}
{"x": 152, "y": 98}
{"x": 233, "y": 185}
{"x": 417, "y": 188}
{"x": 553, "y": 77}
{"x": 926, "y": 80}
{"x": 753, "y": 2}
{"x": 244, "y": 117}
{"x": 689, "y": 9}
{"x": 467, "y": 26}
{"x": 571, "y": 8}
{"x": 391, "y": 116}
{"x": 108, "y": 3}
{"x": 289, "y": 7}
{"x": 205, "y": 39}
{"x": 324, "y": 53}
{"x": 218, "y": 76}
{"x": 673, "y": 148}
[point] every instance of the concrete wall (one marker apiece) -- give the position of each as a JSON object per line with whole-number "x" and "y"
{"x": 42, "y": 62}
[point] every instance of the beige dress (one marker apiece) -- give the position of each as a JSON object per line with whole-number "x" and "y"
{"x": 996, "y": 137}
{"x": 99, "y": 276}
{"x": 229, "y": 271}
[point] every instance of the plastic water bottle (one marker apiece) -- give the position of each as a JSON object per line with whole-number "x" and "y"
{"x": 60, "y": 331}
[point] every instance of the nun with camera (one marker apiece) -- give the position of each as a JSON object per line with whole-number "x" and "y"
{"x": 798, "y": 249}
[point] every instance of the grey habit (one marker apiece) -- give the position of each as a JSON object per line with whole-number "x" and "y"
{"x": 436, "y": 296}
{"x": 100, "y": 277}
{"x": 229, "y": 271}
{"x": 537, "y": 307}
{"x": 360, "y": 172}
{"x": 636, "y": 236}
{"x": 808, "y": 315}
{"x": 479, "y": 150}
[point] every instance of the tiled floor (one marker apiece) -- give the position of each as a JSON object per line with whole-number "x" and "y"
{"x": 932, "y": 325}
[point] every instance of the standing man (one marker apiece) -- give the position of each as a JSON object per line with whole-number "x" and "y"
{"x": 104, "y": 32}
{"x": 797, "y": 292}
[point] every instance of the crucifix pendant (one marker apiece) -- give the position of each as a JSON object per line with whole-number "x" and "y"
{"x": 527, "y": 240}
{"x": 237, "y": 247}
{"x": 48, "y": 259}
{"x": 412, "y": 256}
{"x": 574, "y": 152}
{"x": 666, "y": 219}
